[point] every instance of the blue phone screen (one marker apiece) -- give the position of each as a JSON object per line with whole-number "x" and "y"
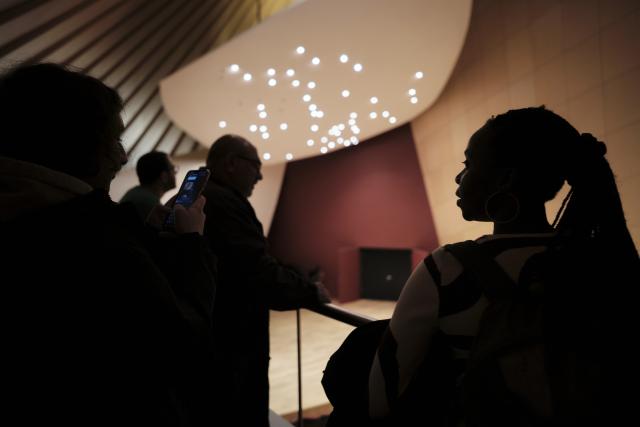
{"x": 189, "y": 190}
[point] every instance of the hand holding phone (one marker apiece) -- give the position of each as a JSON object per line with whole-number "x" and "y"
{"x": 191, "y": 188}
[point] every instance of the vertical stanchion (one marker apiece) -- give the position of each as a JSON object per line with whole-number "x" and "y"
{"x": 300, "y": 418}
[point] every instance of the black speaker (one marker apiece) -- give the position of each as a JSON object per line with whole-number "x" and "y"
{"x": 383, "y": 272}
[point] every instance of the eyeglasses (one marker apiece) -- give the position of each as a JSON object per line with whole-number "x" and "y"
{"x": 256, "y": 163}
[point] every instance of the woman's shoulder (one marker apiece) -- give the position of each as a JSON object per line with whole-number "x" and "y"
{"x": 444, "y": 263}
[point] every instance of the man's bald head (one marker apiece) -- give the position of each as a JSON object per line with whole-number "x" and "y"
{"x": 234, "y": 161}
{"x": 224, "y": 146}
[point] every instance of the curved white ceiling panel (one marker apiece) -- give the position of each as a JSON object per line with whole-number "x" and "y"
{"x": 321, "y": 75}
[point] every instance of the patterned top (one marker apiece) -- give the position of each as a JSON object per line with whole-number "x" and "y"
{"x": 440, "y": 294}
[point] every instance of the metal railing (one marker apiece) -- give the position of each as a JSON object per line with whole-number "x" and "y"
{"x": 342, "y": 315}
{"x": 334, "y": 312}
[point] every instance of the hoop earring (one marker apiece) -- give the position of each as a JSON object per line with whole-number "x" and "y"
{"x": 495, "y": 197}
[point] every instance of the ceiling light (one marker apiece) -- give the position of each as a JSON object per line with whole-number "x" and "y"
{"x": 313, "y": 107}
{"x": 324, "y": 139}
{"x": 271, "y": 72}
{"x": 290, "y": 72}
{"x": 412, "y": 92}
{"x": 319, "y": 113}
{"x": 234, "y": 68}
{"x": 253, "y": 128}
{"x": 222, "y": 124}
{"x": 345, "y": 93}
{"x": 355, "y": 130}
{"x": 332, "y": 144}
{"x": 352, "y": 122}
{"x": 357, "y": 67}
{"x": 272, "y": 82}
{"x": 419, "y": 75}
{"x": 347, "y": 143}
{"x": 344, "y": 58}
{"x": 263, "y": 128}
{"x": 311, "y": 85}
{"x": 340, "y": 140}
{"x": 373, "y": 100}
{"x": 265, "y": 135}
{"x": 385, "y": 114}
{"x": 306, "y": 97}
{"x": 289, "y": 156}
{"x": 300, "y": 50}
{"x": 266, "y": 156}
{"x": 261, "y": 107}
{"x": 313, "y": 114}
{"x": 315, "y": 60}
{"x": 354, "y": 140}
{"x": 314, "y": 128}
{"x": 295, "y": 83}
{"x": 392, "y": 119}
{"x": 247, "y": 77}
{"x": 283, "y": 126}
{"x": 310, "y": 142}
{"x": 414, "y": 99}
{"x": 341, "y": 126}
{"x": 323, "y": 150}
{"x": 373, "y": 115}
{"x": 353, "y": 115}
{"x": 262, "y": 114}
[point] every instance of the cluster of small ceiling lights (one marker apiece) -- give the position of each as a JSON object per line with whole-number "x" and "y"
{"x": 336, "y": 134}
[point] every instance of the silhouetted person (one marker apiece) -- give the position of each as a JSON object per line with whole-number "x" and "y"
{"x": 157, "y": 175}
{"x": 107, "y": 323}
{"x": 514, "y": 164}
{"x": 250, "y": 282}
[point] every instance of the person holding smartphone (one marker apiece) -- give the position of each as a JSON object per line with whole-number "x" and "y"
{"x": 109, "y": 320}
{"x": 250, "y": 282}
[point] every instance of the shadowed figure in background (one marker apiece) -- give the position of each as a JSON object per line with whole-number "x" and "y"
{"x": 157, "y": 175}
{"x": 107, "y": 322}
{"x": 583, "y": 265}
{"x": 250, "y": 282}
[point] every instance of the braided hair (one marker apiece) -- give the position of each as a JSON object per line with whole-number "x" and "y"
{"x": 549, "y": 151}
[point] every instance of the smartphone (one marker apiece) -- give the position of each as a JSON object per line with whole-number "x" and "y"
{"x": 190, "y": 190}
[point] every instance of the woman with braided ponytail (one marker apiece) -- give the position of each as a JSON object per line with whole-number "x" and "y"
{"x": 555, "y": 272}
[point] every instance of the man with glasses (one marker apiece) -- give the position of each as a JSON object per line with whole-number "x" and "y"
{"x": 250, "y": 282}
{"x": 157, "y": 175}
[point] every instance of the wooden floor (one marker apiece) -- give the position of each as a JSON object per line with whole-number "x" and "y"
{"x": 321, "y": 336}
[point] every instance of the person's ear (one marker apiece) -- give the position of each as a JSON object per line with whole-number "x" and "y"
{"x": 507, "y": 179}
{"x": 230, "y": 162}
{"x": 164, "y": 177}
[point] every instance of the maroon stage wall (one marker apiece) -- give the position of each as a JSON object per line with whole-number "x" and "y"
{"x": 371, "y": 195}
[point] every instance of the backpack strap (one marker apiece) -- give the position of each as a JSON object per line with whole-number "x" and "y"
{"x": 490, "y": 277}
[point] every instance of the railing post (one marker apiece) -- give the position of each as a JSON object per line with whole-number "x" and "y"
{"x": 300, "y": 418}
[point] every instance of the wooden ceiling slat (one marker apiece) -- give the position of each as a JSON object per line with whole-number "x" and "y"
{"x": 52, "y": 47}
{"x": 13, "y": 44}
{"x": 19, "y": 9}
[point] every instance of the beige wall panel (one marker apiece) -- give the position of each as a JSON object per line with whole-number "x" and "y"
{"x": 580, "y": 58}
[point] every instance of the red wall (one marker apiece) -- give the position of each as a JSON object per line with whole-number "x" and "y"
{"x": 370, "y": 195}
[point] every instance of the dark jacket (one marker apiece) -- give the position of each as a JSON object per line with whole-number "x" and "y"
{"x": 250, "y": 282}
{"x": 106, "y": 323}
